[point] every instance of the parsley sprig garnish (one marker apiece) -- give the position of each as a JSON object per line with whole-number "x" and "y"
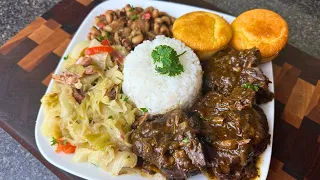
{"x": 54, "y": 141}
{"x": 101, "y": 38}
{"x": 250, "y": 86}
{"x": 144, "y": 110}
{"x": 185, "y": 140}
{"x": 169, "y": 60}
{"x": 134, "y": 17}
{"x": 66, "y": 57}
{"x": 94, "y": 164}
{"x": 132, "y": 8}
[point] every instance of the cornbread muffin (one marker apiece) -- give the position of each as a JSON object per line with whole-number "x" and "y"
{"x": 205, "y": 32}
{"x": 260, "y": 28}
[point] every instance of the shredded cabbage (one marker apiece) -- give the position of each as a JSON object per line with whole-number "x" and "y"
{"x": 100, "y": 125}
{"x": 50, "y": 127}
{"x": 77, "y": 50}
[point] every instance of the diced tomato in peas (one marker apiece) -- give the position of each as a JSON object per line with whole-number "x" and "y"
{"x": 105, "y": 42}
{"x": 147, "y": 16}
{"x": 101, "y": 25}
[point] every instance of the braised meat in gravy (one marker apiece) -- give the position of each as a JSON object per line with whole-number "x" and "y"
{"x": 170, "y": 143}
{"x": 230, "y": 68}
{"x": 234, "y": 134}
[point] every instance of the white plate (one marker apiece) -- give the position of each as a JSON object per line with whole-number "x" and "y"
{"x": 89, "y": 171}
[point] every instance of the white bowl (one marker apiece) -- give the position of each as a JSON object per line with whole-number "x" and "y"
{"x": 89, "y": 171}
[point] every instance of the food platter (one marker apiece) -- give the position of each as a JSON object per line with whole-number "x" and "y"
{"x": 89, "y": 171}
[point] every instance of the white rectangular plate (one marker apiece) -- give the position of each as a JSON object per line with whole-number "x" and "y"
{"x": 89, "y": 171}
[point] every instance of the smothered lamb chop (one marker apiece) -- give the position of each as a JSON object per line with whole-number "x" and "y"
{"x": 235, "y": 131}
{"x": 230, "y": 68}
{"x": 170, "y": 143}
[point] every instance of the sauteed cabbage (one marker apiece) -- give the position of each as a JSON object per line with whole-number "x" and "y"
{"x": 99, "y": 125}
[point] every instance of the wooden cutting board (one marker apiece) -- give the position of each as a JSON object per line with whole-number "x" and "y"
{"x": 28, "y": 59}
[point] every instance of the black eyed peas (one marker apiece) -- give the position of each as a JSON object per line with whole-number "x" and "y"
{"x": 155, "y": 13}
{"x": 166, "y": 20}
{"x": 131, "y": 25}
{"x": 137, "y": 39}
{"x": 109, "y": 18}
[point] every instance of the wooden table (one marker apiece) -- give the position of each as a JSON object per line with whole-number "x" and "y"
{"x": 28, "y": 59}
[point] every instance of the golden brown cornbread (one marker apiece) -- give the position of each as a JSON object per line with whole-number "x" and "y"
{"x": 204, "y": 32}
{"x": 260, "y": 28}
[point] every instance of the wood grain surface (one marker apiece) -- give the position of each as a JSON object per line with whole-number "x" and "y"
{"x": 29, "y": 58}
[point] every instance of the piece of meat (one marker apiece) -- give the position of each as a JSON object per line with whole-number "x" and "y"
{"x": 170, "y": 143}
{"x": 66, "y": 78}
{"x": 139, "y": 121}
{"x": 214, "y": 104}
{"x": 262, "y": 137}
{"x": 229, "y": 69}
{"x": 117, "y": 57}
{"x": 77, "y": 95}
{"x": 222, "y": 72}
{"x": 237, "y": 160}
{"x": 112, "y": 93}
{"x": 255, "y": 76}
{"x": 89, "y": 70}
{"x": 234, "y": 131}
{"x": 84, "y": 61}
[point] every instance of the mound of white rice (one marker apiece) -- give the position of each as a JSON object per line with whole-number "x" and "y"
{"x": 160, "y": 93}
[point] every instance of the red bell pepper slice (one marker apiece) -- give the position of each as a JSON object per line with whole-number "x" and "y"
{"x": 98, "y": 49}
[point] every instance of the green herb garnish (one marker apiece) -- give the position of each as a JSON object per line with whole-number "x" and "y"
{"x": 54, "y": 141}
{"x": 185, "y": 140}
{"x": 101, "y": 38}
{"x": 121, "y": 96}
{"x": 250, "y": 86}
{"x": 128, "y": 156}
{"x": 126, "y": 99}
{"x": 132, "y": 8}
{"x": 255, "y": 88}
{"x": 66, "y": 57}
{"x": 245, "y": 85}
{"x": 94, "y": 164}
{"x": 134, "y": 17}
{"x": 110, "y": 117}
{"x": 144, "y": 110}
{"x": 169, "y": 59}
{"x": 64, "y": 143}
